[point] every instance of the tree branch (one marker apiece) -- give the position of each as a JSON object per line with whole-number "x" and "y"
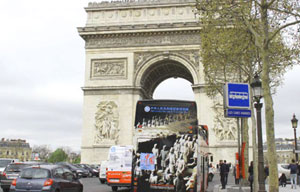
{"x": 271, "y": 3}
{"x": 284, "y": 11}
{"x": 282, "y": 27}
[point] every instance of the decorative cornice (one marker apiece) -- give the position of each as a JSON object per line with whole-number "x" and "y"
{"x": 159, "y": 38}
{"x": 161, "y": 27}
{"x": 125, "y": 4}
{"x": 114, "y": 90}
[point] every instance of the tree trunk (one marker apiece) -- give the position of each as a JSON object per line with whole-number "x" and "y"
{"x": 269, "y": 111}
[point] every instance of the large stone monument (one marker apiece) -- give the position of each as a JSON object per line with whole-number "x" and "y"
{"x": 131, "y": 47}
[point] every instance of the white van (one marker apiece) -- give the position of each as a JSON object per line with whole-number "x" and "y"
{"x": 118, "y": 173}
{"x": 102, "y": 172}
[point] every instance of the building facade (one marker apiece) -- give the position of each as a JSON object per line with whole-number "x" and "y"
{"x": 284, "y": 150}
{"x": 15, "y": 149}
{"x": 131, "y": 47}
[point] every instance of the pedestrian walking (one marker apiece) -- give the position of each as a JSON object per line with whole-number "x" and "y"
{"x": 299, "y": 173}
{"x": 250, "y": 179}
{"x": 226, "y": 171}
{"x": 266, "y": 171}
{"x": 234, "y": 172}
{"x": 293, "y": 170}
{"x": 223, "y": 170}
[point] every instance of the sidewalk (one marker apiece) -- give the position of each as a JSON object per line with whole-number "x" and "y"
{"x": 215, "y": 186}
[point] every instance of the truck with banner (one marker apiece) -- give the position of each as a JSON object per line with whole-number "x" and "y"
{"x": 171, "y": 149}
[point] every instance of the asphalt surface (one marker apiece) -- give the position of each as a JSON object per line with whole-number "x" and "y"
{"x": 94, "y": 185}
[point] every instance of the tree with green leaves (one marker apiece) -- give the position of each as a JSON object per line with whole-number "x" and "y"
{"x": 272, "y": 29}
{"x": 58, "y": 155}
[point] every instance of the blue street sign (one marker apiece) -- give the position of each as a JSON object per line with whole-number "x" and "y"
{"x": 237, "y": 96}
{"x": 238, "y": 113}
{"x": 237, "y": 100}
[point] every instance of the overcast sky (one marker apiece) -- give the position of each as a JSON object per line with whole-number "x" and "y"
{"x": 42, "y": 72}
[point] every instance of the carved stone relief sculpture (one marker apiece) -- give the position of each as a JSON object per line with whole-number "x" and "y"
{"x": 141, "y": 58}
{"x": 106, "y": 123}
{"x": 108, "y": 68}
{"x": 224, "y": 128}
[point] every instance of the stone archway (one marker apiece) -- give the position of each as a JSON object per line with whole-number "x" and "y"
{"x": 161, "y": 66}
{"x": 130, "y": 47}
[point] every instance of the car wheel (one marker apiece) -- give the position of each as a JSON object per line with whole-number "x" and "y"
{"x": 114, "y": 188}
{"x": 57, "y": 190}
{"x": 102, "y": 181}
{"x": 90, "y": 175}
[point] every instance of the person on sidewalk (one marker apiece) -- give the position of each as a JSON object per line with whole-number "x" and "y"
{"x": 299, "y": 172}
{"x": 234, "y": 172}
{"x": 266, "y": 171}
{"x": 282, "y": 180}
{"x": 293, "y": 170}
{"x": 226, "y": 172}
{"x": 250, "y": 179}
{"x": 223, "y": 169}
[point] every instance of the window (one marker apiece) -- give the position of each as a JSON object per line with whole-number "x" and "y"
{"x": 68, "y": 175}
{"x": 34, "y": 173}
{"x": 58, "y": 173}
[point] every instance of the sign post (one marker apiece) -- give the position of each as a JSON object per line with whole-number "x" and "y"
{"x": 237, "y": 105}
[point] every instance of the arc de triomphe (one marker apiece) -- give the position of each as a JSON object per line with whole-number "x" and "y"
{"x": 131, "y": 47}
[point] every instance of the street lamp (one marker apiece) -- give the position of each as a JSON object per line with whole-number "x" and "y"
{"x": 294, "y": 125}
{"x": 258, "y": 94}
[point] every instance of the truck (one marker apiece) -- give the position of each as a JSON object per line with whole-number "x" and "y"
{"x": 171, "y": 150}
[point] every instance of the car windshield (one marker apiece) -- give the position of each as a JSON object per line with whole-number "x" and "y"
{"x": 285, "y": 166}
{"x": 15, "y": 167}
{"x": 34, "y": 173}
{"x": 4, "y": 162}
{"x": 73, "y": 166}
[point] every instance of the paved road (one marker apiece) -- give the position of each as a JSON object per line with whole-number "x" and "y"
{"x": 94, "y": 185}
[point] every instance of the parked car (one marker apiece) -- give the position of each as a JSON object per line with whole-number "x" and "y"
{"x": 283, "y": 168}
{"x": 102, "y": 172}
{"x": 80, "y": 172}
{"x": 11, "y": 172}
{"x": 4, "y": 162}
{"x": 92, "y": 171}
{"x": 52, "y": 178}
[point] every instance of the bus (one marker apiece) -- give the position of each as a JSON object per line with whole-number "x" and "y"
{"x": 118, "y": 166}
{"x": 171, "y": 150}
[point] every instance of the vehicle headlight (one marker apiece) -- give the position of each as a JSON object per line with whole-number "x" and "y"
{"x": 95, "y": 170}
{"x": 78, "y": 171}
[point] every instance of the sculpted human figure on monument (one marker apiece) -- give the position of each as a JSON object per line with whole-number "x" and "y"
{"x": 106, "y": 122}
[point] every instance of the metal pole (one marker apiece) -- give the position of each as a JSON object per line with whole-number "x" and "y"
{"x": 261, "y": 179}
{"x": 296, "y": 147}
{"x": 239, "y": 151}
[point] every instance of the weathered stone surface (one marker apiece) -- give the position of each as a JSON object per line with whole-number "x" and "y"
{"x": 131, "y": 47}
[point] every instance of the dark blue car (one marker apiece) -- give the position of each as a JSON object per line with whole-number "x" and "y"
{"x": 46, "y": 178}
